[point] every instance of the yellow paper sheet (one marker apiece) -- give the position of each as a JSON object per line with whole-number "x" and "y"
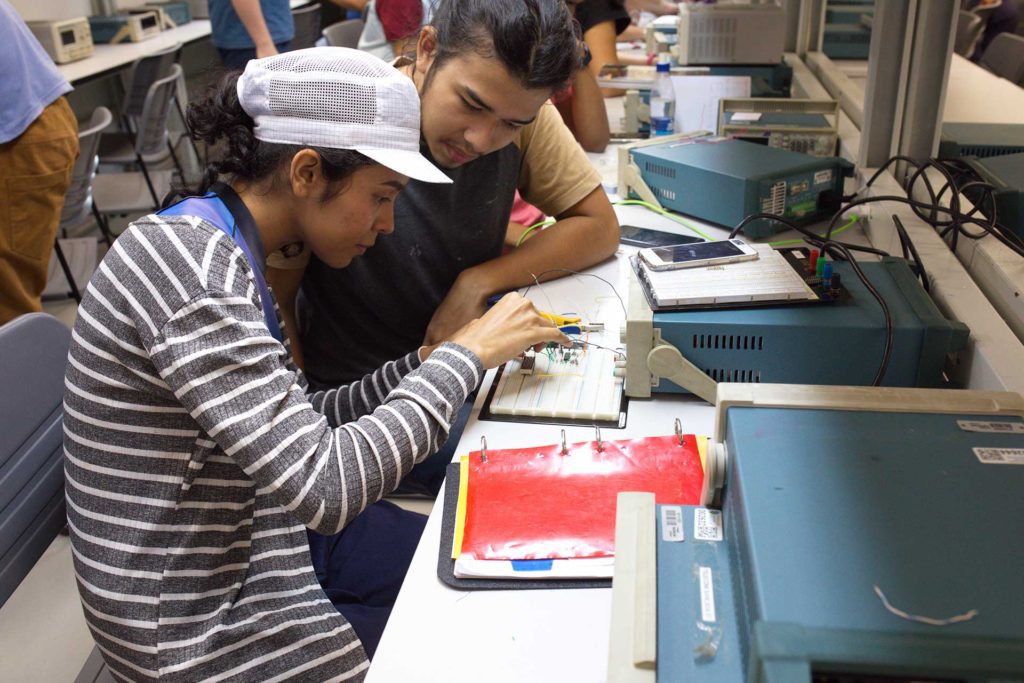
{"x": 460, "y": 510}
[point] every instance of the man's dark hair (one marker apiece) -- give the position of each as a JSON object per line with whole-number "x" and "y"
{"x": 535, "y": 40}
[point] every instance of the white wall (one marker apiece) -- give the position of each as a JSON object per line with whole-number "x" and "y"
{"x": 34, "y": 10}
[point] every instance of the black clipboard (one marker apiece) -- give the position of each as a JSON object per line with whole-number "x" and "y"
{"x": 446, "y": 565}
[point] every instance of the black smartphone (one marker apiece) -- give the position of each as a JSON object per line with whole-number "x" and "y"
{"x": 646, "y": 237}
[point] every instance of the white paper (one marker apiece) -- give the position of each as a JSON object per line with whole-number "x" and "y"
{"x": 697, "y": 99}
{"x": 745, "y": 117}
{"x": 707, "y": 595}
{"x": 707, "y": 524}
{"x": 577, "y": 568}
{"x": 672, "y": 524}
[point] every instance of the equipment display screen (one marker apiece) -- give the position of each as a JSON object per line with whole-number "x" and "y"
{"x": 67, "y": 37}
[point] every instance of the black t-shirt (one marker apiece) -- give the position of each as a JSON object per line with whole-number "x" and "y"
{"x": 590, "y": 13}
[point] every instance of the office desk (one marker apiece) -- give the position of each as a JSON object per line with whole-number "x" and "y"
{"x": 109, "y": 58}
{"x": 973, "y": 95}
{"x": 439, "y": 634}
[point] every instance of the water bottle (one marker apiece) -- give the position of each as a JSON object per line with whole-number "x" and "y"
{"x": 663, "y": 101}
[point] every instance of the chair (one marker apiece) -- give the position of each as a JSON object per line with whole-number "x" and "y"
{"x": 345, "y": 33}
{"x": 985, "y": 11}
{"x": 123, "y": 193}
{"x": 969, "y": 28}
{"x": 78, "y": 202}
{"x": 307, "y": 27}
{"x": 118, "y": 147}
{"x": 1004, "y": 57}
{"x": 34, "y": 348}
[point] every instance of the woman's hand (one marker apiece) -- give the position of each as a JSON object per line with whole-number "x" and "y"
{"x": 510, "y": 327}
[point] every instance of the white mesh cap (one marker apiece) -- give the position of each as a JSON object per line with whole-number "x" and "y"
{"x": 339, "y": 98}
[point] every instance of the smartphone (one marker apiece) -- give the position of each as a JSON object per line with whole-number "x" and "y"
{"x": 646, "y": 237}
{"x": 699, "y": 254}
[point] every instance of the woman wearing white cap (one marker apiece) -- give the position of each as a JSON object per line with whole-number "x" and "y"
{"x": 195, "y": 460}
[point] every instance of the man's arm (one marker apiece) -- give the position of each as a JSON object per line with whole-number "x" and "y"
{"x": 252, "y": 19}
{"x": 584, "y": 112}
{"x": 357, "y": 5}
{"x": 585, "y": 234}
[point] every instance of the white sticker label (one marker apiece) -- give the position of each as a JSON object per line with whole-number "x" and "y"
{"x": 745, "y": 116}
{"x": 707, "y": 524}
{"x": 672, "y": 524}
{"x": 991, "y": 427}
{"x": 707, "y": 595}
{"x": 1000, "y": 456}
{"x": 822, "y": 177}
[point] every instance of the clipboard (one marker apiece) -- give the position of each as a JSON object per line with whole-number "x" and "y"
{"x": 446, "y": 565}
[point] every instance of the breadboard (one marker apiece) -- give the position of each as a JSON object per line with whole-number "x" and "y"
{"x": 576, "y": 384}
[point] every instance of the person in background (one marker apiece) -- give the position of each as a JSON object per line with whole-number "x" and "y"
{"x": 601, "y": 22}
{"x": 38, "y": 148}
{"x": 392, "y": 26}
{"x": 1003, "y": 19}
{"x": 198, "y": 468}
{"x": 248, "y": 29}
{"x": 485, "y": 70}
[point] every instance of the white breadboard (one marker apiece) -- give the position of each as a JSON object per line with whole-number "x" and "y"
{"x": 583, "y": 387}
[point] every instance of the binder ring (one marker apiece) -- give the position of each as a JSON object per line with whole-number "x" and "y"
{"x": 679, "y": 432}
{"x": 483, "y": 449}
{"x": 565, "y": 449}
{"x": 600, "y": 445}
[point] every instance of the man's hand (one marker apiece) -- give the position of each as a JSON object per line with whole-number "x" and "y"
{"x": 465, "y": 302}
{"x": 652, "y": 6}
{"x": 268, "y": 50}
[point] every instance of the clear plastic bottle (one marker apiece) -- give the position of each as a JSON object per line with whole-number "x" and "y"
{"x": 663, "y": 101}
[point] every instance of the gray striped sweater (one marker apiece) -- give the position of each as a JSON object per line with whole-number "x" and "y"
{"x": 195, "y": 460}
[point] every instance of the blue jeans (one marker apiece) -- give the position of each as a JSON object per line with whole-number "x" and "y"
{"x": 235, "y": 60}
{"x": 362, "y": 568}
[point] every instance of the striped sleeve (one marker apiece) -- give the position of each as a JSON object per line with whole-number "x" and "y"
{"x": 230, "y": 375}
{"x": 354, "y": 400}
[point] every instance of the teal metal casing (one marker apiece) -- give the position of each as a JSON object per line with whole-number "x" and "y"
{"x": 835, "y": 343}
{"x": 723, "y": 181}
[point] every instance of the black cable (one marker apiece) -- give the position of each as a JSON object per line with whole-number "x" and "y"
{"x": 809, "y": 236}
{"x": 905, "y": 239}
{"x": 887, "y": 350}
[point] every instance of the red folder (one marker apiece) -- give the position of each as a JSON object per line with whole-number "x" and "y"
{"x": 538, "y": 503}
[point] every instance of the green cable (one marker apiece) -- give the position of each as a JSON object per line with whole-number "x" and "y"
{"x": 853, "y": 221}
{"x": 547, "y": 221}
{"x": 666, "y": 214}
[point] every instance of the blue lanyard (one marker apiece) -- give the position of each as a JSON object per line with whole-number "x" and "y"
{"x": 214, "y": 211}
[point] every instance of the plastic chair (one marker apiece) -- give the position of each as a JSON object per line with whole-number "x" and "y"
{"x": 78, "y": 203}
{"x": 122, "y": 193}
{"x": 345, "y": 33}
{"x": 118, "y": 148}
{"x": 969, "y": 28}
{"x": 1004, "y": 57}
{"x": 35, "y": 352}
{"x": 307, "y": 27}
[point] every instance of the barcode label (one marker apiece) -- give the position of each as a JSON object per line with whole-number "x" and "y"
{"x": 707, "y": 595}
{"x": 707, "y": 524}
{"x": 672, "y": 524}
{"x": 1000, "y": 456}
{"x": 991, "y": 427}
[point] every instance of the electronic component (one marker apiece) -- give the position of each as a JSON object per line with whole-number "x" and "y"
{"x": 729, "y": 33}
{"x": 959, "y": 140}
{"x": 882, "y": 477}
{"x": 839, "y": 342}
{"x": 723, "y": 181}
{"x": 172, "y": 14}
{"x": 527, "y": 364}
{"x": 846, "y": 41}
{"x": 65, "y": 40}
{"x": 1006, "y": 175}
{"x": 806, "y": 126}
{"x": 120, "y": 28}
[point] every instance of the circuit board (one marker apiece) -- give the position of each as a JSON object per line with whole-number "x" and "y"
{"x": 559, "y": 384}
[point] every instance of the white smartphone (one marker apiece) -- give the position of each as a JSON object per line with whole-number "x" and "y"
{"x": 697, "y": 254}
